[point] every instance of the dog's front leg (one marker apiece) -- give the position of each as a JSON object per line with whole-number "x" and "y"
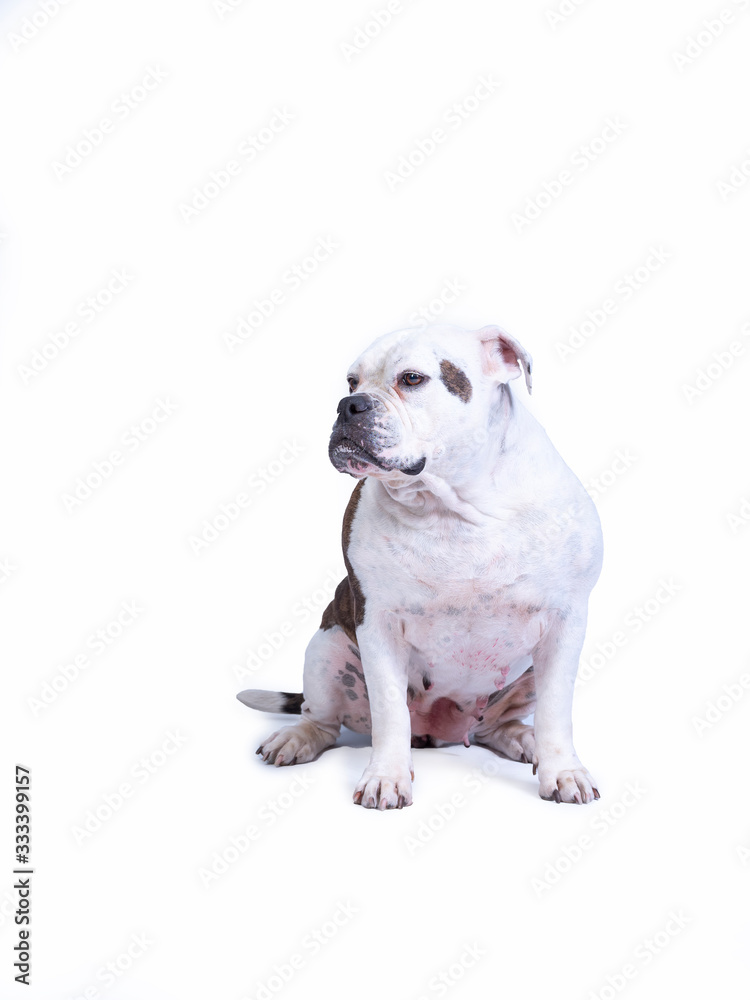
{"x": 386, "y": 782}
{"x": 562, "y": 776}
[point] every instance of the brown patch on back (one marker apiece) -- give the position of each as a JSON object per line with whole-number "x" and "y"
{"x": 351, "y": 509}
{"x": 455, "y": 380}
{"x": 347, "y": 609}
{"x": 341, "y": 611}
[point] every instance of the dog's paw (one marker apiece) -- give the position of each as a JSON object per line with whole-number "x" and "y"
{"x": 382, "y": 787}
{"x": 566, "y": 781}
{"x": 294, "y": 744}
{"x": 513, "y": 740}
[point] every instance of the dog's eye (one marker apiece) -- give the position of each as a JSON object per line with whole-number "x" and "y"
{"x": 411, "y": 378}
{"x": 352, "y": 380}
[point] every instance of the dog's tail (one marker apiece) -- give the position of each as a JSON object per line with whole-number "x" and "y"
{"x": 272, "y": 701}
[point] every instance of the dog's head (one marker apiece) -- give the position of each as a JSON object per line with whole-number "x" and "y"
{"x": 423, "y": 399}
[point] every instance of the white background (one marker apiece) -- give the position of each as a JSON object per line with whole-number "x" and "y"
{"x": 495, "y": 875}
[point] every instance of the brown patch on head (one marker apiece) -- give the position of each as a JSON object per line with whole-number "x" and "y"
{"x": 455, "y": 381}
{"x": 347, "y": 609}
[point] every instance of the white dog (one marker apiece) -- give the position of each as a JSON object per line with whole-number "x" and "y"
{"x": 470, "y": 549}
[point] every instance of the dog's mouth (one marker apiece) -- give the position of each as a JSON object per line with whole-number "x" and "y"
{"x": 348, "y": 456}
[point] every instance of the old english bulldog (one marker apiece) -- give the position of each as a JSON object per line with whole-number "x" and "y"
{"x": 470, "y": 550}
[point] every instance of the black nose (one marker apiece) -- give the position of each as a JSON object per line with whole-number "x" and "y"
{"x": 350, "y": 406}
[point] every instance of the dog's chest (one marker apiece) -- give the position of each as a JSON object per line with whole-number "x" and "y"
{"x": 463, "y": 647}
{"x": 468, "y": 602}
{"x": 470, "y": 628}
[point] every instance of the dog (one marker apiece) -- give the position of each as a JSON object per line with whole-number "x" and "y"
{"x": 470, "y": 550}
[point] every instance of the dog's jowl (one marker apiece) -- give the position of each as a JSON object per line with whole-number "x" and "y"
{"x": 470, "y": 551}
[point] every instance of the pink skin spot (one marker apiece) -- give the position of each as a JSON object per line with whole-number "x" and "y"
{"x": 446, "y": 721}
{"x": 500, "y": 681}
{"x": 479, "y": 659}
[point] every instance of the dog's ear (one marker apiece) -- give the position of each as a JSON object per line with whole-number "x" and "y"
{"x": 502, "y": 355}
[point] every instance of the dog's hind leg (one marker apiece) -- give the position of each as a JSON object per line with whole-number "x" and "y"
{"x": 501, "y": 728}
{"x": 334, "y": 694}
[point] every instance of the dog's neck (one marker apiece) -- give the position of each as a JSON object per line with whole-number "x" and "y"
{"x": 466, "y": 486}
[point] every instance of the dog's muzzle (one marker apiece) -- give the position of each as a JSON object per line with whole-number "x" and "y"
{"x": 350, "y": 407}
{"x": 361, "y": 434}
